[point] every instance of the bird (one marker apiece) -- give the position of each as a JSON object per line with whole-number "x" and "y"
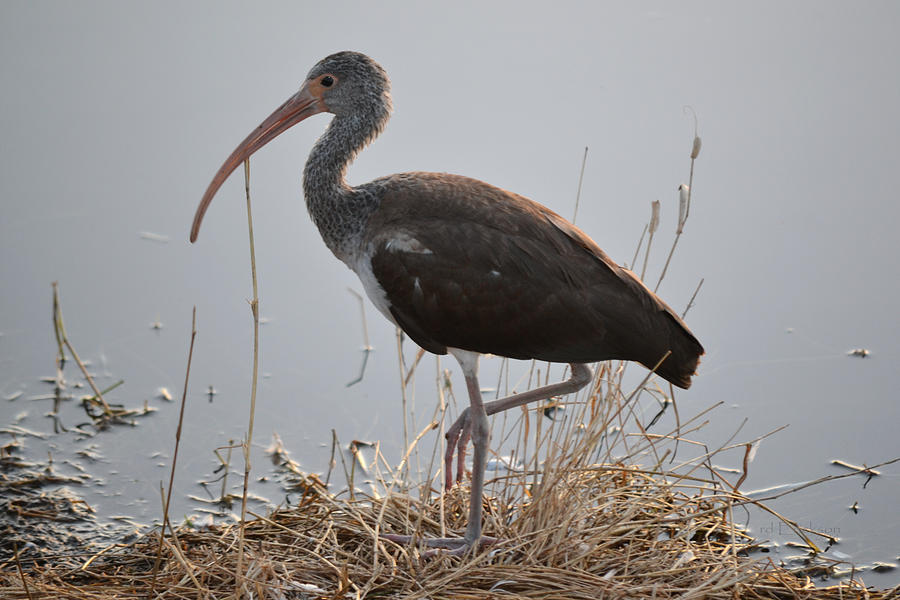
{"x": 464, "y": 267}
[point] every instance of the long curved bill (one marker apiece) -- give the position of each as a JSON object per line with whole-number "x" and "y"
{"x": 300, "y": 106}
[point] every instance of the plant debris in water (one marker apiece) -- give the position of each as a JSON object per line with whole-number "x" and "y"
{"x": 41, "y": 524}
{"x": 606, "y": 531}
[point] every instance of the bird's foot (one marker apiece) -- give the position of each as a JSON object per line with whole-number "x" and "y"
{"x": 455, "y": 546}
{"x": 458, "y": 437}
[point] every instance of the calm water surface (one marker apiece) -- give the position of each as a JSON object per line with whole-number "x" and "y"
{"x": 110, "y": 135}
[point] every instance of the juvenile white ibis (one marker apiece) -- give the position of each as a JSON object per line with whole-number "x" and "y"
{"x": 465, "y": 267}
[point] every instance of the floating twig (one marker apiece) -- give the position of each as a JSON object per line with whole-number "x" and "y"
{"x": 63, "y": 339}
{"x": 859, "y": 469}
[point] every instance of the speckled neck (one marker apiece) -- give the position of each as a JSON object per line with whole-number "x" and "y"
{"x": 339, "y": 211}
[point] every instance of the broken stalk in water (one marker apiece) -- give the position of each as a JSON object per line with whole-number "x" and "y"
{"x": 168, "y": 497}
{"x": 61, "y": 336}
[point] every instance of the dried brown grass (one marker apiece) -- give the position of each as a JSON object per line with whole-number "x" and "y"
{"x": 602, "y": 532}
{"x": 580, "y": 523}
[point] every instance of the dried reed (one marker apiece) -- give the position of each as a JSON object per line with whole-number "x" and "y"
{"x": 254, "y": 309}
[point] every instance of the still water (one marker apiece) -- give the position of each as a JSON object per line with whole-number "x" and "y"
{"x": 110, "y": 138}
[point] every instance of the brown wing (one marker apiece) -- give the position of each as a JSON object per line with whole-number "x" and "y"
{"x": 468, "y": 265}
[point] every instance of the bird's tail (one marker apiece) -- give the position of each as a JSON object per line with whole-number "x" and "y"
{"x": 684, "y": 352}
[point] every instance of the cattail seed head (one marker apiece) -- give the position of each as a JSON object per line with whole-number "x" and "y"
{"x": 684, "y": 198}
{"x": 654, "y": 217}
{"x": 695, "y": 150}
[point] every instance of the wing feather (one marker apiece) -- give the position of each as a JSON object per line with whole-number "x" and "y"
{"x": 482, "y": 269}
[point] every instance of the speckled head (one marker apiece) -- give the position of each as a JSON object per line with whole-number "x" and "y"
{"x": 351, "y": 83}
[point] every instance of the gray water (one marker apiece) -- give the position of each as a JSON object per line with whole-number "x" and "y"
{"x": 114, "y": 117}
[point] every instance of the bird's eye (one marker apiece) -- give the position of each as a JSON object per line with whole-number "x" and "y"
{"x": 328, "y": 81}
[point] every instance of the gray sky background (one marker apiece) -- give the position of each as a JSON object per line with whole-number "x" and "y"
{"x": 114, "y": 116}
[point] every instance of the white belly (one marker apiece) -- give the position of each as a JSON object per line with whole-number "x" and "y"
{"x": 363, "y": 269}
{"x": 400, "y": 242}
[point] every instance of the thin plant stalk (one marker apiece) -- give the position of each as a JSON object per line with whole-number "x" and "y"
{"x": 224, "y": 498}
{"x": 580, "y": 180}
{"x": 637, "y": 250}
{"x": 60, "y": 331}
{"x": 21, "y": 572}
{"x": 651, "y": 228}
{"x": 177, "y": 550}
{"x": 690, "y": 303}
{"x": 254, "y": 309}
{"x": 166, "y": 504}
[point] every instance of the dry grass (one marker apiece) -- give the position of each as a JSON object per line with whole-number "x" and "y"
{"x": 583, "y": 524}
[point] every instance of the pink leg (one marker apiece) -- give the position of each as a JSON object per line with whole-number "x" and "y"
{"x": 459, "y": 433}
{"x": 458, "y": 437}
